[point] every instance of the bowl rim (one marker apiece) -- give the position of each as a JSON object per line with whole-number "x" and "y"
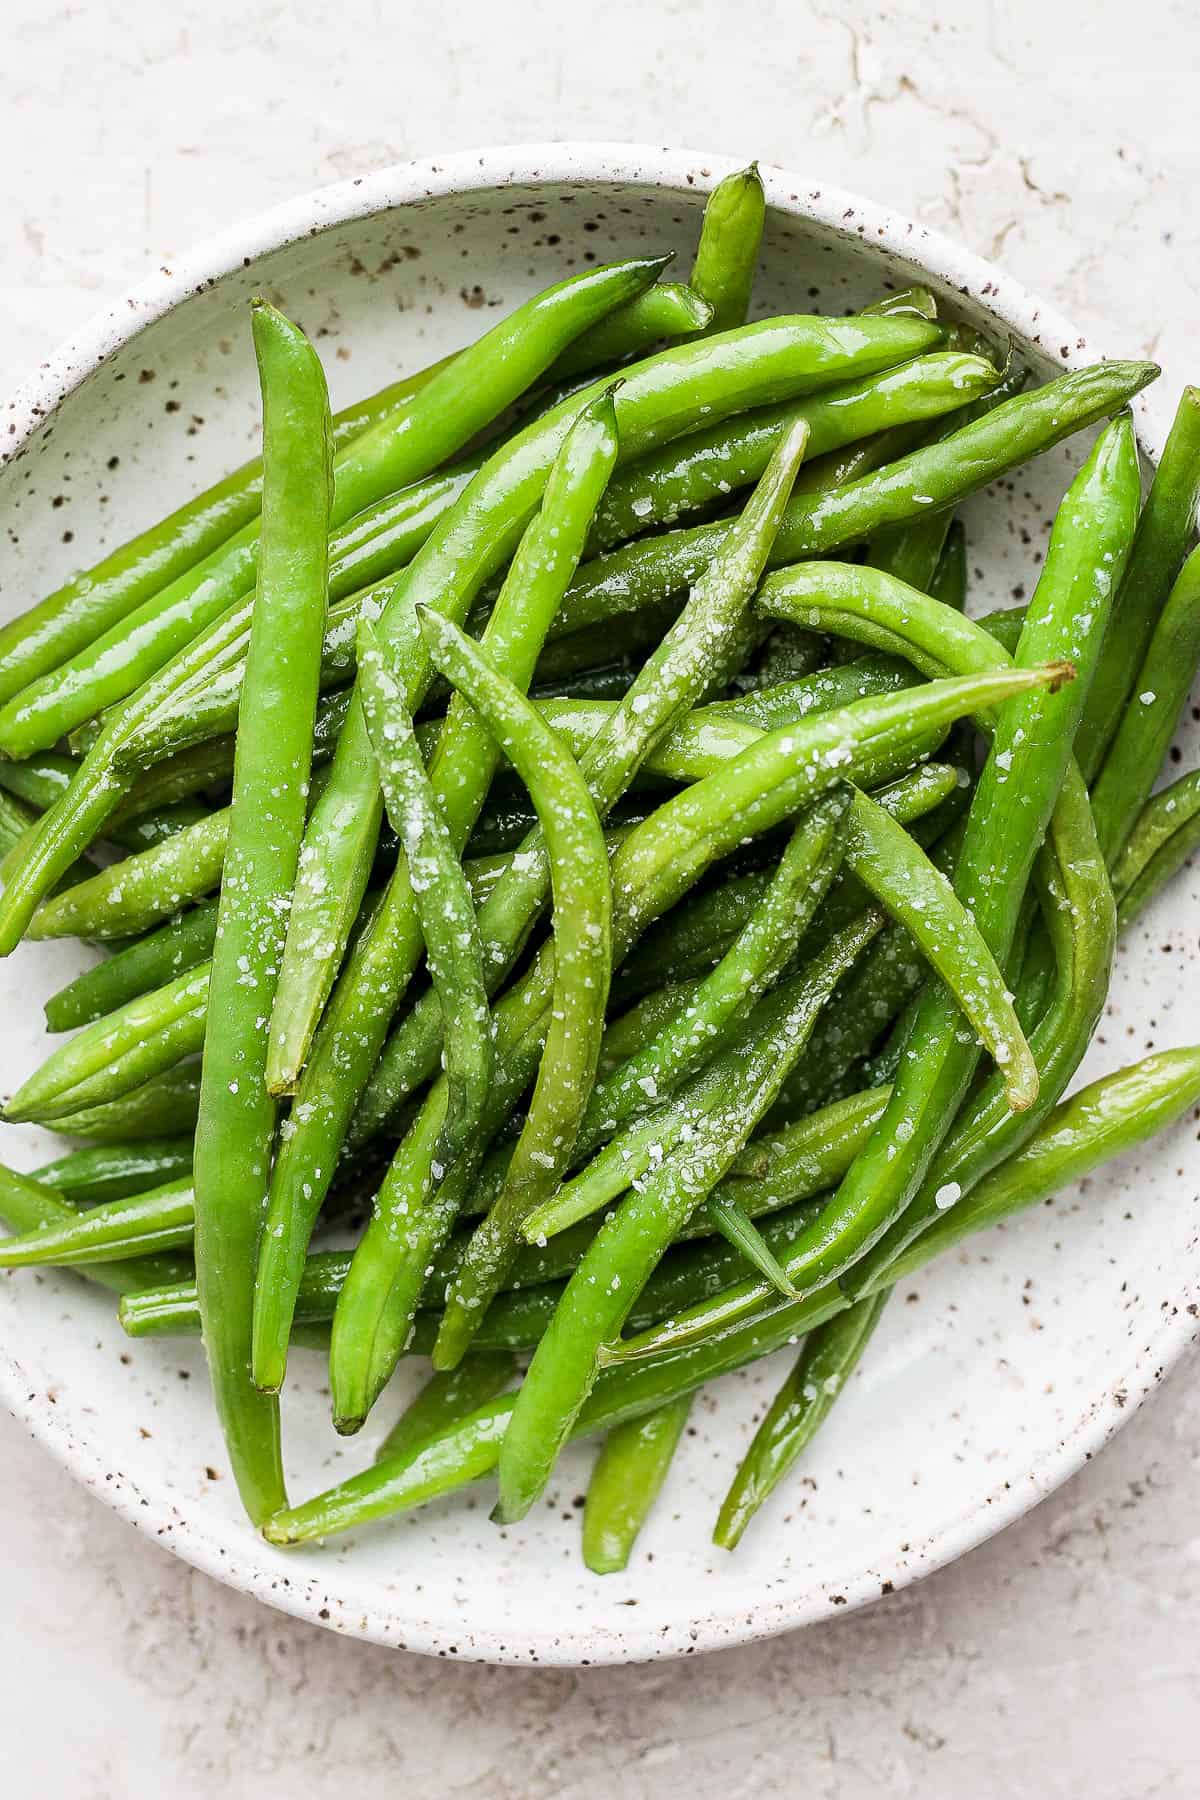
{"x": 578, "y": 163}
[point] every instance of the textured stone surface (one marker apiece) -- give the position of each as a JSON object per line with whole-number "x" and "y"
{"x": 1061, "y": 1658}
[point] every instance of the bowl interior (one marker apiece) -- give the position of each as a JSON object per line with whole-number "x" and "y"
{"x": 991, "y": 1376}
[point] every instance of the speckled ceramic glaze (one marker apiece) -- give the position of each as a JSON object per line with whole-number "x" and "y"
{"x": 993, "y": 1377}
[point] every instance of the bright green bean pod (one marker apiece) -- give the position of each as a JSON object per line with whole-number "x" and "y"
{"x": 448, "y": 1396}
{"x": 1165, "y": 836}
{"x": 132, "y": 896}
{"x": 796, "y": 1414}
{"x": 29, "y": 1206}
{"x": 461, "y": 766}
{"x": 162, "y": 1107}
{"x": 153, "y": 961}
{"x": 625, "y": 1483}
{"x": 113, "y": 1231}
{"x": 936, "y": 476}
{"x": 1011, "y": 807}
{"x": 669, "y": 683}
{"x": 119, "y": 1052}
{"x": 67, "y": 621}
{"x": 441, "y": 897}
{"x": 919, "y": 897}
{"x": 748, "y": 969}
{"x": 1143, "y": 736}
{"x": 1111, "y": 1117}
{"x": 235, "y": 1130}
{"x": 703, "y": 468}
{"x": 114, "y": 1172}
{"x": 659, "y": 399}
{"x": 465, "y": 394}
{"x": 743, "y": 1234}
{"x": 599, "y": 1296}
{"x": 1166, "y": 530}
{"x": 727, "y": 253}
{"x": 666, "y": 310}
{"x": 582, "y": 914}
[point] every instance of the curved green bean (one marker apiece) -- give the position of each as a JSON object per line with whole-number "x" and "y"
{"x": 625, "y": 1483}
{"x": 151, "y": 962}
{"x": 116, "y": 1171}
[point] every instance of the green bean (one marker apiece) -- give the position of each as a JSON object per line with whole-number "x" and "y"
{"x": 659, "y": 399}
{"x": 441, "y": 896}
{"x": 749, "y": 968}
{"x": 919, "y": 897}
{"x": 461, "y": 768}
{"x": 936, "y": 476}
{"x": 666, "y": 310}
{"x": 1030, "y": 754}
{"x": 578, "y": 862}
{"x": 119, "y": 1052}
{"x": 1165, "y": 532}
{"x": 30, "y": 1206}
{"x": 1143, "y": 736}
{"x": 447, "y": 1397}
{"x": 70, "y": 619}
{"x": 235, "y": 1130}
{"x": 114, "y": 1172}
{"x": 1165, "y": 835}
{"x": 209, "y": 618}
{"x": 703, "y": 468}
{"x": 770, "y": 1175}
{"x": 1080, "y": 924}
{"x": 113, "y": 1231}
{"x": 625, "y": 1483}
{"x": 464, "y": 395}
{"x": 950, "y": 579}
{"x": 659, "y": 699}
{"x": 173, "y": 950}
{"x": 1113, "y": 1115}
{"x": 161, "y": 1107}
{"x": 744, "y": 1236}
{"x": 727, "y": 254}
{"x": 1105, "y": 1120}
{"x": 134, "y": 895}
{"x": 796, "y": 1414}
{"x": 599, "y": 1296}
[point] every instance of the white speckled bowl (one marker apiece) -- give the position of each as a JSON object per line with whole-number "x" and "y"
{"x": 993, "y": 1377}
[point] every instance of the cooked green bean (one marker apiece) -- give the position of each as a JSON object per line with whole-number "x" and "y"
{"x": 727, "y": 253}
{"x": 796, "y": 1414}
{"x": 235, "y": 1130}
{"x": 113, "y": 1231}
{"x": 161, "y": 1107}
{"x": 151, "y": 962}
{"x": 30, "y": 1206}
{"x": 114, "y": 1172}
{"x": 625, "y": 1483}
{"x": 659, "y": 399}
{"x": 1164, "y": 837}
{"x": 448, "y": 1396}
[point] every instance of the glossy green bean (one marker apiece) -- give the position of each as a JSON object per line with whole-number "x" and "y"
{"x": 461, "y": 766}
{"x": 464, "y": 395}
{"x": 702, "y": 469}
{"x": 162, "y": 1107}
{"x": 112, "y": 1231}
{"x": 135, "y": 895}
{"x": 659, "y": 399}
{"x": 448, "y": 1396}
{"x": 1164, "y": 837}
{"x": 1142, "y": 738}
{"x": 796, "y": 1414}
{"x": 116, "y": 1171}
{"x": 666, "y": 310}
{"x": 935, "y": 476}
{"x": 441, "y": 896}
{"x": 1030, "y": 755}
{"x": 235, "y": 1130}
{"x": 625, "y": 1483}
{"x": 119, "y": 1052}
{"x": 599, "y": 1296}
{"x": 582, "y": 913}
{"x": 743, "y": 1235}
{"x": 30, "y": 1206}
{"x": 153, "y": 961}
{"x": 1166, "y": 530}
{"x": 727, "y": 253}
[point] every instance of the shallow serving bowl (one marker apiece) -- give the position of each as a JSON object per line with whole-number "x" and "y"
{"x": 993, "y": 1377}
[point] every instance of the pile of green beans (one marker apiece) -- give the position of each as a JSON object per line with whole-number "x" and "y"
{"x": 596, "y": 861}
